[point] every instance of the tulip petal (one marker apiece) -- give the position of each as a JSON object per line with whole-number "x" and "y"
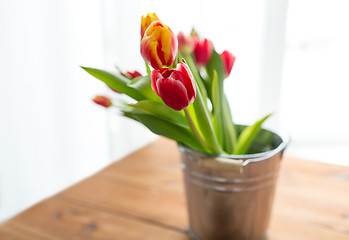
{"x": 187, "y": 83}
{"x": 190, "y": 86}
{"x": 149, "y": 52}
{"x": 169, "y": 44}
{"x": 146, "y": 21}
{"x": 155, "y": 75}
{"x": 173, "y": 93}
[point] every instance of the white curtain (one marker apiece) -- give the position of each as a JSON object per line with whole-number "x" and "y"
{"x": 316, "y": 80}
{"x": 51, "y": 133}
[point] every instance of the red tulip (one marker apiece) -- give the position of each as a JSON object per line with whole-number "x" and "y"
{"x": 159, "y": 45}
{"x": 146, "y": 21}
{"x": 133, "y": 74}
{"x": 228, "y": 62}
{"x": 202, "y": 51}
{"x": 103, "y": 101}
{"x": 175, "y": 86}
{"x": 185, "y": 43}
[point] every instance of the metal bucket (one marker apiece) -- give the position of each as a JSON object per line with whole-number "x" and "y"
{"x": 230, "y": 197}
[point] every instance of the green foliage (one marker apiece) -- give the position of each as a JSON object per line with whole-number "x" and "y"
{"x": 217, "y": 106}
{"x": 222, "y": 119}
{"x": 118, "y": 83}
{"x": 230, "y": 133}
{"x": 247, "y": 135}
{"x": 205, "y": 125}
{"x": 143, "y": 85}
{"x": 169, "y": 129}
{"x": 161, "y": 110}
{"x": 215, "y": 64}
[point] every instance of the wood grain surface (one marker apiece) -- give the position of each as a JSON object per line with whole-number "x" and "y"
{"x": 142, "y": 197}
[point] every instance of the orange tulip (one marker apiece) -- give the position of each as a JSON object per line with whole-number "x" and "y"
{"x": 103, "y": 101}
{"x": 159, "y": 45}
{"x": 146, "y": 21}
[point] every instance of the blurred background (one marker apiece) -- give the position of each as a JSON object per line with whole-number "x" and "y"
{"x": 292, "y": 59}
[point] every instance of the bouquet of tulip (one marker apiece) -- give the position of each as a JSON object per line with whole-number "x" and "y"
{"x": 182, "y": 98}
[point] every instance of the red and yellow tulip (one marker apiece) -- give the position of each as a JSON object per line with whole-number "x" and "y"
{"x": 159, "y": 45}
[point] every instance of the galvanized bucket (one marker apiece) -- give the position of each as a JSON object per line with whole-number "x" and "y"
{"x": 230, "y": 197}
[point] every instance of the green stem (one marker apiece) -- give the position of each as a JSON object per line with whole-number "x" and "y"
{"x": 190, "y": 61}
{"x": 231, "y": 136}
{"x": 208, "y": 83}
{"x": 205, "y": 124}
{"x": 218, "y": 121}
{"x": 193, "y": 128}
{"x": 148, "y": 68}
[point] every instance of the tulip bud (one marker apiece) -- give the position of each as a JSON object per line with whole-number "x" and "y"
{"x": 103, "y": 101}
{"x": 159, "y": 45}
{"x": 228, "y": 62}
{"x": 175, "y": 86}
{"x": 202, "y": 51}
{"x": 146, "y": 21}
{"x": 193, "y": 33}
{"x": 185, "y": 43}
{"x": 133, "y": 74}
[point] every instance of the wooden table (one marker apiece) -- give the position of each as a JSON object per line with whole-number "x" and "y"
{"x": 142, "y": 197}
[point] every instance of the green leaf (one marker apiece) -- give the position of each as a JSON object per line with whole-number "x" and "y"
{"x": 176, "y": 61}
{"x": 218, "y": 123}
{"x": 118, "y": 83}
{"x": 205, "y": 125}
{"x": 215, "y": 64}
{"x": 192, "y": 66}
{"x": 122, "y": 73}
{"x": 143, "y": 85}
{"x": 167, "y": 129}
{"x": 230, "y": 133}
{"x": 223, "y": 122}
{"x": 148, "y": 68}
{"x": 247, "y": 135}
{"x": 161, "y": 110}
{"x": 192, "y": 113}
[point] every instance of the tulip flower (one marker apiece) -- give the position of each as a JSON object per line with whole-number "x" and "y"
{"x": 228, "y": 60}
{"x": 175, "y": 86}
{"x": 193, "y": 33}
{"x": 103, "y": 101}
{"x": 146, "y": 21}
{"x": 159, "y": 45}
{"x": 133, "y": 74}
{"x": 185, "y": 43}
{"x": 202, "y": 51}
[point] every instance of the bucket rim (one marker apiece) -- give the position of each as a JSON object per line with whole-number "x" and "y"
{"x": 246, "y": 158}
